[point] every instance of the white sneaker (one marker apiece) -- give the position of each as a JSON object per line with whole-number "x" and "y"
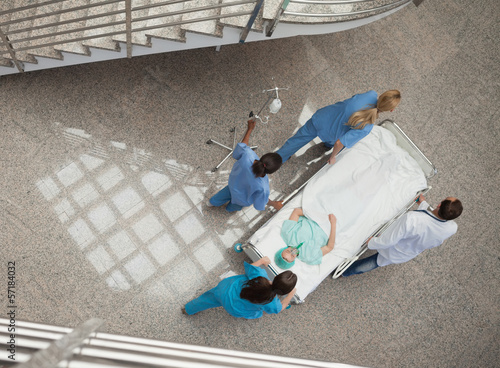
{"x": 209, "y": 204}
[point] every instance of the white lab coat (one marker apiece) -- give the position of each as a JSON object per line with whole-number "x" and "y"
{"x": 410, "y": 235}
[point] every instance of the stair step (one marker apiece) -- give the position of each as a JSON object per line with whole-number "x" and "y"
{"x": 48, "y": 51}
{"x": 323, "y": 9}
{"x": 144, "y": 37}
{"x": 5, "y": 61}
{"x": 73, "y": 47}
{"x": 23, "y": 56}
{"x": 138, "y": 38}
{"x": 271, "y": 8}
{"x": 209, "y": 27}
{"x": 5, "y": 58}
{"x": 173, "y": 33}
{"x": 105, "y": 42}
{"x": 242, "y": 20}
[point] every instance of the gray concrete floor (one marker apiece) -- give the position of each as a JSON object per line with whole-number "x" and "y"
{"x": 105, "y": 173}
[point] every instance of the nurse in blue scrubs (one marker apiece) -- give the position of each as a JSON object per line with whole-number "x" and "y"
{"x": 342, "y": 124}
{"x": 248, "y": 182}
{"x": 249, "y": 295}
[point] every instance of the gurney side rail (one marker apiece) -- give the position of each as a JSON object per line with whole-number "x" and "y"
{"x": 407, "y": 144}
{"x": 364, "y": 247}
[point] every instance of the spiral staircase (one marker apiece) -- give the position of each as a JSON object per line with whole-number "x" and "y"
{"x": 42, "y": 34}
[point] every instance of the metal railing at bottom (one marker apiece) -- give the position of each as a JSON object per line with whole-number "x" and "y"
{"x": 47, "y": 344}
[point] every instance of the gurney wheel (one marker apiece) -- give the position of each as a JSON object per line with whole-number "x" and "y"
{"x": 238, "y": 247}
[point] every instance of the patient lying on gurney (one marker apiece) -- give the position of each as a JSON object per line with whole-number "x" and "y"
{"x": 305, "y": 240}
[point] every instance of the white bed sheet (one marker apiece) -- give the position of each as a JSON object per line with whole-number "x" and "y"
{"x": 366, "y": 187}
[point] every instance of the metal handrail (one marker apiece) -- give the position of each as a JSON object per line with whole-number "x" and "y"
{"x": 330, "y": 2}
{"x": 83, "y": 38}
{"x": 164, "y": 3}
{"x": 10, "y": 50}
{"x": 283, "y": 10}
{"x": 192, "y": 10}
{"x": 68, "y": 10}
{"x": 81, "y": 29}
{"x": 356, "y": 12}
{"x": 61, "y": 23}
{"x": 86, "y": 347}
{"x": 122, "y": 22}
{"x": 116, "y": 12}
{"x": 32, "y": 42}
{"x": 255, "y": 12}
{"x": 27, "y": 7}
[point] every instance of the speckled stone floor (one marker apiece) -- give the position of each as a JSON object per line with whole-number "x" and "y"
{"x": 105, "y": 174}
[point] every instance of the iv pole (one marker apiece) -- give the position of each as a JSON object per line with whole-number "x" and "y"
{"x": 210, "y": 141}
{"x": 276, "y": 105}
{"x": 276, "y": 98}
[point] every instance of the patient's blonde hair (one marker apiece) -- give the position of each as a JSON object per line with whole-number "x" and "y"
{"x": 387, "y": 101}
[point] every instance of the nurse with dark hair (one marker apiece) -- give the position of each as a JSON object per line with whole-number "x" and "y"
{"x": 248, "y": 182}
{"x": 249, "y": 295}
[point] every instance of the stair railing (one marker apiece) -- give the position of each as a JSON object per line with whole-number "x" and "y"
{"x": 376, "y": 9}
{"x": 41, "y": 346}
{"x": 13, "y": 40}
{"x": 6, "y": 43}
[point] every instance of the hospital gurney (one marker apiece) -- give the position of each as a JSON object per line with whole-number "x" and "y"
{"x": 370, "y": 186}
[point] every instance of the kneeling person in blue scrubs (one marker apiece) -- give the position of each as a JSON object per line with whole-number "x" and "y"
{"x": 248, "y": 182}
{"x": 249, "y": 295}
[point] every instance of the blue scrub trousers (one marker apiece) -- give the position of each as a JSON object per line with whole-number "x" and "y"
{"x": 362, "y": 266}
{"x": 205, "y": 301}
{"x": 303, "y": 136}
{"x": 222, "y": 197}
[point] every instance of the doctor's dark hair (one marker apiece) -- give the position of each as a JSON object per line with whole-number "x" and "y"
{"x": 261, "y": 291}
{"x": 267, "y": 164}
{"x": 387, "y": 101}
{"x": 450, "y": 210}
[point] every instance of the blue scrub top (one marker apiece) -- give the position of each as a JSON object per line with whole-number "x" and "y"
{"x": 244, "y": 187}
{"x": 228, "y": 291}
{"x": 330, "y": 120}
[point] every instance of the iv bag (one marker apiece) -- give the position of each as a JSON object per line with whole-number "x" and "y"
{"x": 275, "y": 106}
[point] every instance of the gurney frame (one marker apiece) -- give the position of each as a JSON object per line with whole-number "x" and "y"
{"x": 404, "y": 142}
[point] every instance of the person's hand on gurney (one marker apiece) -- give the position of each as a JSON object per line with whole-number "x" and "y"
{"x": 278, "y": 205}
{"x": 420, "y": 199}
{"x": 286, "y": 301}
{"x": 264, "y": 261}
{"x": 337, "y": 147}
